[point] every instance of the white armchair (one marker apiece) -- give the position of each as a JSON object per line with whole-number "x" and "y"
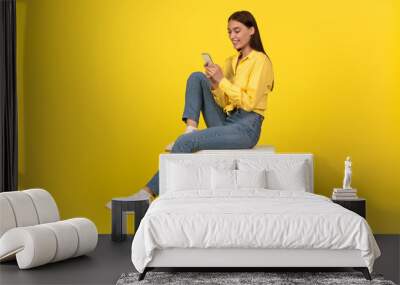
{"x": 31, "y": 230}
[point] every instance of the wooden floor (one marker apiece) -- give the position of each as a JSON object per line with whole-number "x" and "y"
{"x": 111, "y": 259}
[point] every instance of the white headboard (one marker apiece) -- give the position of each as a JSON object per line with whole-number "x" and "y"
{"x": 213, "y": 157}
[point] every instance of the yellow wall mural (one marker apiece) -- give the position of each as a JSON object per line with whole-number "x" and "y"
{"x": 101, "y": 91}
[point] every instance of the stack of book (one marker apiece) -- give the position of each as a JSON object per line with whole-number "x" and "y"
{"x": 344, "y": 194}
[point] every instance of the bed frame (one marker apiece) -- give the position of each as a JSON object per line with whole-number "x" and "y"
{"x": 242, "y": 259}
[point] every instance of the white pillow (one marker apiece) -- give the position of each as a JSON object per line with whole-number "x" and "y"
{"x": 237, "y": 179}
{"x": 251, "y": 178}
{"x": 291, "y": 179}
{"x": 223, "y": 179}
{"x": 188, "y": 175}
{"x": 282, "y": 174}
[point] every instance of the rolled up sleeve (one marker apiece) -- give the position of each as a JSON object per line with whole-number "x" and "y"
{"x": 260, "y": 83}
{"x": 219, "y": 97}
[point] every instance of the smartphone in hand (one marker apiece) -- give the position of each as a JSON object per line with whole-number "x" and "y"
{"x": 207, "y": 58}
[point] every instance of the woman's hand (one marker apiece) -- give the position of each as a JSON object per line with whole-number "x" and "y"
{"x": 214, "y": 84}
{"x": 214, "y": 72}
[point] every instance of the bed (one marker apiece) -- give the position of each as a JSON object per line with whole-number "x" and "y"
{"x": 247, "y": 210}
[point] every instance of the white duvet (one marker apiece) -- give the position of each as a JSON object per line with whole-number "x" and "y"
{"x": 251, "y": 218}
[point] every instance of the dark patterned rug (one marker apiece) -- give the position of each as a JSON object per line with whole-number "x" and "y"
{"x": 243, "y": 278}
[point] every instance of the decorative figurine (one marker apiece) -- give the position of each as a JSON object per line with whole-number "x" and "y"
{"x": 347, "y": 173}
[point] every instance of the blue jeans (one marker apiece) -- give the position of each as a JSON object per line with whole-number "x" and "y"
{"x": 238, "y": 130}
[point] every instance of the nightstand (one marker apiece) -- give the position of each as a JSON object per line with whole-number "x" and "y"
{"x": 121, "y": 206}
{"x": 357, "y": 206}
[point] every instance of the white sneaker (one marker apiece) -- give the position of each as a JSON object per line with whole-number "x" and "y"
{"x": 141, "y": 195}
{"x": 169, "y": 146}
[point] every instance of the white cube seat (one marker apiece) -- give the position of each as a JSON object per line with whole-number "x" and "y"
{"x": 256, "y": 149}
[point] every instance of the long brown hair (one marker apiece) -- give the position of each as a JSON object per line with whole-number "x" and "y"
{"x": 247, "y": 19}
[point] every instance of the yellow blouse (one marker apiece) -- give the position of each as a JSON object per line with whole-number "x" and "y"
{"x": 247, "y": 85}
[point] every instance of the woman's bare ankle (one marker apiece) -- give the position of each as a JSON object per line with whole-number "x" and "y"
{"x": 191, "y": 123}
